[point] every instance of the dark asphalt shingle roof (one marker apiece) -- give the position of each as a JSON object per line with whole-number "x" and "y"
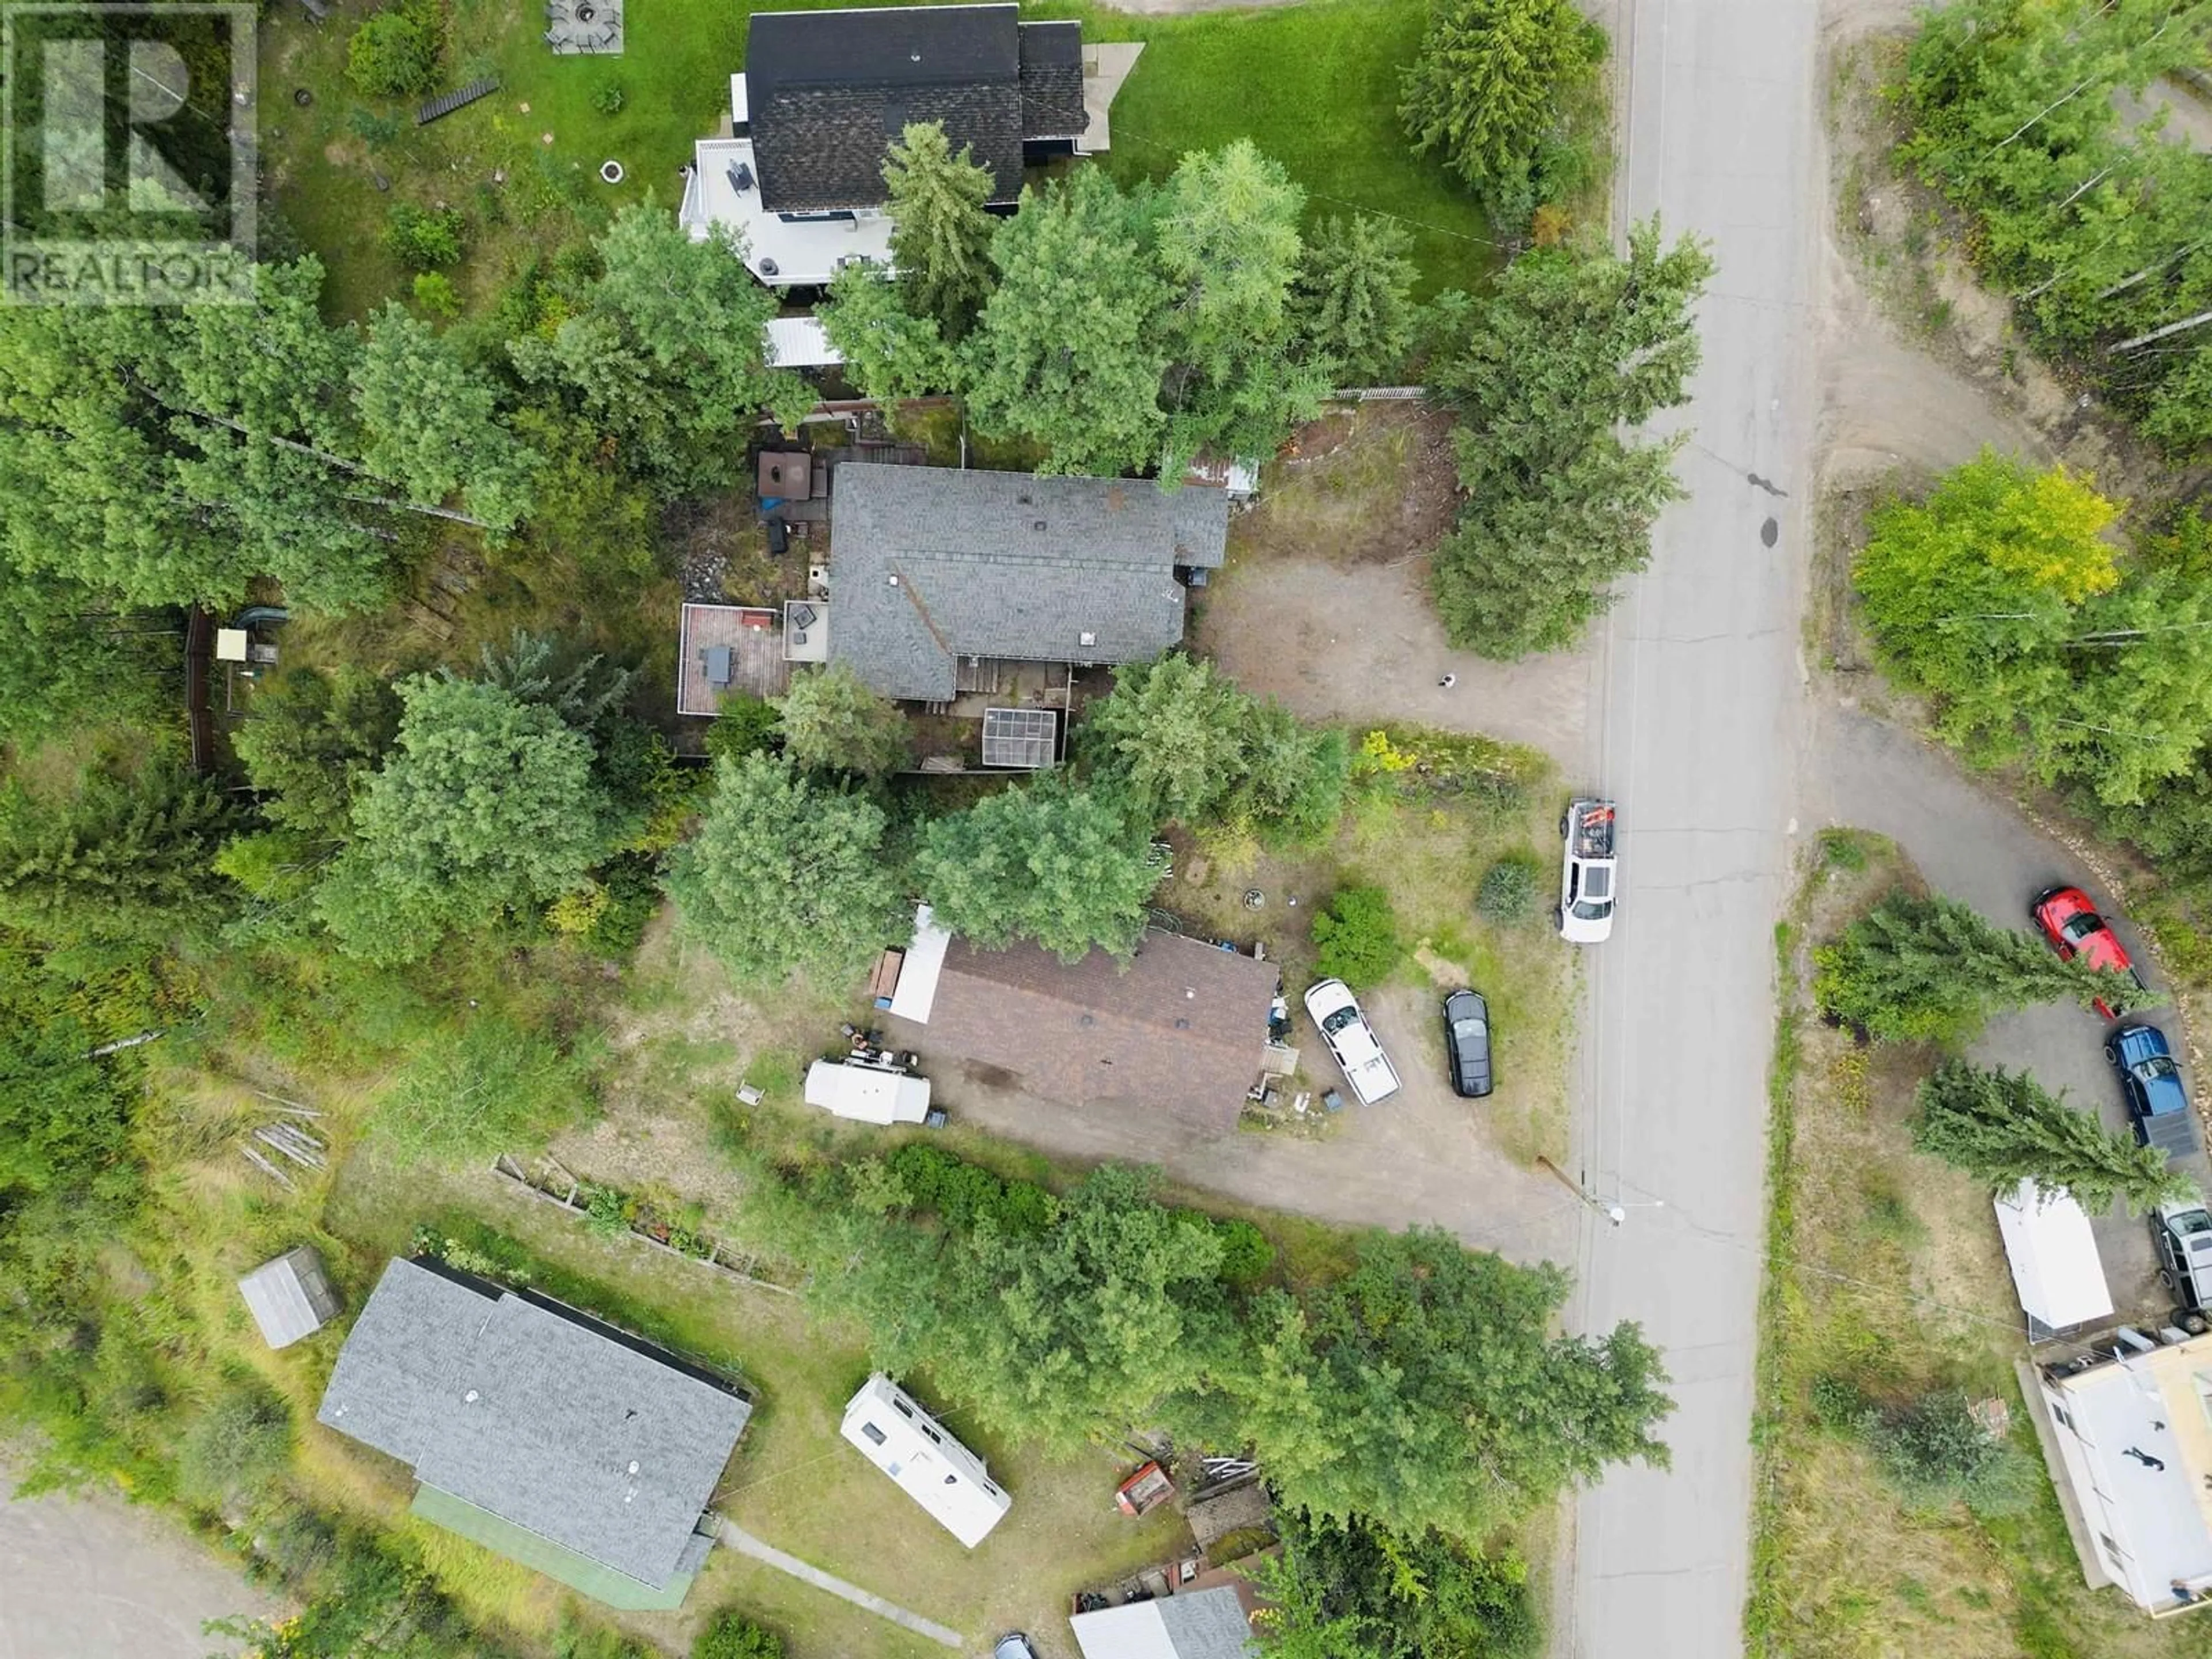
{"x": 563, "y": 1407}
{"x": 1182, "y": 1027}
{"x": 828, "y": 91}
{"x": 1006, "y": 564}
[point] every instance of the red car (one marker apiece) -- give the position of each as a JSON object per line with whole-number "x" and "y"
{"x": 2072, "y": 924}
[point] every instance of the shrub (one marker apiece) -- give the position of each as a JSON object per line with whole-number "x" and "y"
{"x": 578, "y": 911}
{"x": 393, "y": 54}
{"x": 1246, "y": 1254}
{"x": 1357, "y": 937}
{"x": 435, "y": 295}
{"x": 1938, "y": 1452}
{"x": 604, "y": 1211}
{"x": 748, "y": 726}
{"x": 420, "y": 239}
{"x": 733, "y": 1636}
{"x": 962, "y": 1193}
{"x": 1508, "y": 892}
{"x": 609, "y": 99}
{"x": 237, "y": 1445}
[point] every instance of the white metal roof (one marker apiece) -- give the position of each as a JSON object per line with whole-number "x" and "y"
{"x": 2055, "y": 1264}
{"x": 2133, "y": 1444}
{"x": 889, "y": 1426}
{"x": 799, "y": 342}
{"x": 866, "y": 1094}
{"x": 740, "y": 104}
{"x": 288, "y": 1298}
{"x": 916, "y": 992}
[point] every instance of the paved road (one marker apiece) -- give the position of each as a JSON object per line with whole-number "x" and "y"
{"x": 92, "y": 1578}
{"x": 1700, "y": 716}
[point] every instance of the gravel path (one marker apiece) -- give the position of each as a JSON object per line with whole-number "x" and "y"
{"x": 745, "y": 1543}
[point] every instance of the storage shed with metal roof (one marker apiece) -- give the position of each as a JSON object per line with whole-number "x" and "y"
{"x": 289, "y": 1298}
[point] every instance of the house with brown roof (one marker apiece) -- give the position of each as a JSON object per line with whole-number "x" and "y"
{"x": 1181, "y": 1028}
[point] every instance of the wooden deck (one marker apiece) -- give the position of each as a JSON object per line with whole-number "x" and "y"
{"x": 756, "y": 640}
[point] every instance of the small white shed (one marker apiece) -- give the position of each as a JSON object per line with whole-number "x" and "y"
{"x": 289, "y": 1298}
{"x": 867, "y": 1094}
{"x": 2055, "y": 1265}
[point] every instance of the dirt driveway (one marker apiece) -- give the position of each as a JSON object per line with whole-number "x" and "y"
{"x": 1422, "y": 1156}
{"x": 92, "y": 1578}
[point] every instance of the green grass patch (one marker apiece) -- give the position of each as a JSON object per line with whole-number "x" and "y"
{"x": 1313, "y": 85}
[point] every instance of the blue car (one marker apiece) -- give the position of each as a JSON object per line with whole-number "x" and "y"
{"x": 2157, "y": 1099}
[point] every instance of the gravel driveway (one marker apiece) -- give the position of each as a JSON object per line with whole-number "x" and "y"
{"x": 92, "y": 1578}
{"x": 1975, "y": 846}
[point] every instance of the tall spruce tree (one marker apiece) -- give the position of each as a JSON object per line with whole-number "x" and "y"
{"x": 1931, "y": 969}
{"x": 2002, "y": 1128}
{"x": 940, "y": 233}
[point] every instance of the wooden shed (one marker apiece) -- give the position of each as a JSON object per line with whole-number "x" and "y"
{"x": 290, "y": 1297}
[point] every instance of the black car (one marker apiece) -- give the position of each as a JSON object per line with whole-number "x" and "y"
{"x": 1466, "y": 1037}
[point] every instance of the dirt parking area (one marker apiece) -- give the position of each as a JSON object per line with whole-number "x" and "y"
{"x": 1423, "y": 1155}
{"x": 1324, "y": 603}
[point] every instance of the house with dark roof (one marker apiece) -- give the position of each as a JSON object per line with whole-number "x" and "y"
{"x": 825, "y": 93}
{"x": 936, "y": 572}
{"x": 1181, "y": 1030}
{"x": 538, "y": 1431}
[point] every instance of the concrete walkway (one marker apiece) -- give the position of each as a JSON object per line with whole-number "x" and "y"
{"x": 745, "y": 1543}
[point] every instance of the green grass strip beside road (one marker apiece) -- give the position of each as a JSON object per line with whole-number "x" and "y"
{"x": 1776, "y": 1301}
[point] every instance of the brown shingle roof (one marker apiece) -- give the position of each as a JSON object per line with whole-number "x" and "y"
{"x": 1180, "y": 1028}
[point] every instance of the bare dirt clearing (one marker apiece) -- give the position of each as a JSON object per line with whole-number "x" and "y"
{"x": 1324, "y": 603}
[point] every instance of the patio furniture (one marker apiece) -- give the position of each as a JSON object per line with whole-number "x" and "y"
{"x": 718, "y": 662}
{"x": 802, "y": 616}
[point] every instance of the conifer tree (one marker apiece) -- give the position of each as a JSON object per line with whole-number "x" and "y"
{"x": 2002, "y": 1128}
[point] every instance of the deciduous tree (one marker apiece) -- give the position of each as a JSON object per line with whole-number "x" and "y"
{"x": 1168, "y": 735}
{"x": 787, "y": 877}
{"x": 1068, "y": 866}
{"x": 665, "y": 351}
{"x": 1972, "y": 594}
{"x": 941, "y": 234}
{"x": 890, "y": 353}
{"x": 431, "y": 421}
{"x": 1427, "y": 1389}
{"x": 833, "y": 723}
{"x": 1228, "y": 243}
{"x": 1072, "y": 347}
{"x": 486, "y": 804}
{"x": 2002, "y": 1128}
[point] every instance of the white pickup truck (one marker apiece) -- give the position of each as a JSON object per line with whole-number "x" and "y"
{"x": 1586, "y": 878}
{"x": 1331, "y": 1005}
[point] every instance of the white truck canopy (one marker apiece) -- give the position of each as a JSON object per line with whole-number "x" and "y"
{"x": 867, "y": 1094}
{"x": 2055, "y": 1265}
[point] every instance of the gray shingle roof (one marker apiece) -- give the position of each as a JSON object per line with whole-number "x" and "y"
{"x": 1006, "y": 564}
{"x": 1206, "y": 1624}
{"x": 829, "y": 90}
{"x": 537, "y": 1414}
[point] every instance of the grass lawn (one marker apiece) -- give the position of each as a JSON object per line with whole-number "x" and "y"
{"x": 793, "y": 1482}
{"x": 1880, "y": 1260}
{"x": 1313, "y": 85}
